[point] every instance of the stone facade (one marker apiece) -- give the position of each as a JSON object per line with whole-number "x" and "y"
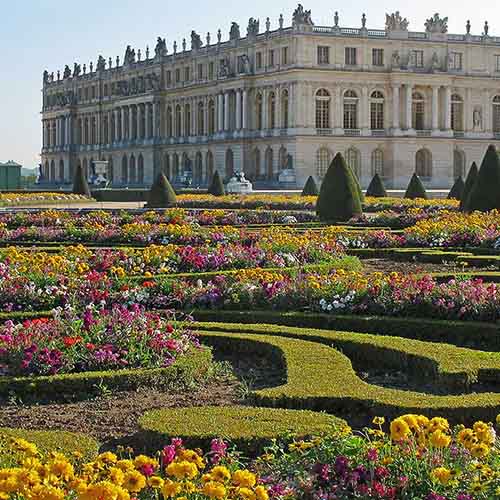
{"x": 394, "y": 101}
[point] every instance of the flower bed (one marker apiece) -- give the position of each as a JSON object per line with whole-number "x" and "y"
{"x": 19, "y": 198}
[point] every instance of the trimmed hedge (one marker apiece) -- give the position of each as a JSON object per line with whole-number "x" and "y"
{"x": 376, "y": 189}
{"x": 470, "y": 182}
{"x": 187, "y": 370}
{"x": 48, "y": 441}
{"x": 80, "y": 185}
{"x": 323, "y": 379}
{"x": 247, "y": 427}
{"x": 457, "y": 190}
{"x": 415, "y": 188}
{"x": 161, "y": 195}
{"x": 216, "y": 186}
{"x": 310, "y": 187}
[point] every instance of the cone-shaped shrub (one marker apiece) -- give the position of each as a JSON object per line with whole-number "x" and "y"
{"x": 216, "y": 187}
{"x": 457, "y": 190}
{"x": 469, "y": 184}
{"x": 415, "y": 188}
{"x": 485, "y": 194}
{"x": 161, "y": 194}
{"x": 310, "y": 187}
{"x": 376, "y": 188}
{"x": 80, "y": 184}
{"x": 338, "y": 198}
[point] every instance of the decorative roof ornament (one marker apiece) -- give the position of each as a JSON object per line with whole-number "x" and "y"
{"x": 110, "y": 63}
{"x": 129, "y": 57}
{"x": 139, "y": 55}
{"x": 208, "y": 39}
{"x": 336, "y": 20}
{"x": 77, "y": 69}
{"x": 184, "y": 45}
{"x": 147, "y": 52}
{"x": 58, "y": 75}
{"x": 196, "y": 43}
{"x": 302, "y": 17}
{"x": 281, "y": 21}
{"x": 268, "y": 25}
{"x": 91, "y": 65}
{"x": 395, "y": 22}
{"x": 45, "y": 76}
{"x": 253, "y": 27}
{"x": 101, "y": 64}
{"x": 161, "y": 47}
{"x": 436, "y": 24}
{"x": 363, "y": 21}
{"x": 219, "y": 36}
{"x": 234, "y": 32}
{"x": 67, "y": 72}
{"x": 117, "y": 61}
{"x": 468, "y": 27}
{"x": 486, "y": 29}
{"x": 175, "y": 47}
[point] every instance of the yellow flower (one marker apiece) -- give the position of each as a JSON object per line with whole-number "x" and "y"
{"x": 134, "y": 481}
{"x": 213, "y": 489}
{"x": 182, "y": 470}
{"x": 246, "y": 493}
{"x": 441, "y": 475}
{"x": 378, "y": 420}
{"x": 399, "y": 429}
{"x": 261, "y": 493}
{"x": 244, "y": 478}
{"x": 220, "y": 473}
{"x": 155, "y": 482}
{"x": 480, "y": 450}
{"x": 116, "y": 476}
{"x": 439, "y": 439}
{"x": 170, "y": 489}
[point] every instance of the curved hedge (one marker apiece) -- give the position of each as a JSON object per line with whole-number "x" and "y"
{"x": 248, "y": 427}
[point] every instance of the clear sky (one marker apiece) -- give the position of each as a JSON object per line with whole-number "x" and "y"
{"x": 47, "y": 34}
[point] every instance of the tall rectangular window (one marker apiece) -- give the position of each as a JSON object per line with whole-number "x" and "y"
{"x": 284, "y": 56}
{"x": 200, "y": 71}
{"x": 351, "y": 56}
{"x": 258, "y": 60}
{"x": 187, "y": 74}
{"x": 169, "y": 78}
{"x": 497, "y": 63}
{"x": 211, "y": 67}
{"x": 323, "y": 55}
{"x": 271, "y": 58}
{"x": 455, "y": 61}
{"x": 417, "y": 58}
{"x": 178, "y": 75}
{"x": 378, "y": 57}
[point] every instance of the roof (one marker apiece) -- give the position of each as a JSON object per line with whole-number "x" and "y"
{"x": 10, "y": 163}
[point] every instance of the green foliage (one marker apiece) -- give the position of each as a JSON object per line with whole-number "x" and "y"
{"x": 485, "y": 194}
{"x": 339, "y": 198}
{"x": 248, "y": 427}
{"x": 48, "y": 441}
{"x": 310, "y": 187}
{"x": 216, "y": 187}
{"x": 376, "y": 189}
{"x": 80, "y": 185}
{"x": 415, "y": 188}
{"x": 162, "y": 194}
{"x": 457, "y": 190}
{"x": 470, "y": 181}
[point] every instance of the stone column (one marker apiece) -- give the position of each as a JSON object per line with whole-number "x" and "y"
{"x": 205, "y": 116}
{"x": 147, "y": 131}
{"x": 220, "y": 113}
{"x": 138, "y": 121}
{"x": 67, "y": 137}
{"x": 447, "y": 108}
{"x": 409, "y": 92}
{"x": 365, "y": 112}
{"x": 468, "y": 111}
{"x": 154, "y": 109}
{"x": 435, "y": 108}
{"x": 226, "y": 112}
{"x": 58, "y": 132}
{"x": 244, "y": 113}
{"x": 130, "y": 122}
{"x": 122, "y": 135}
{"x": 395, "y": 109}
{"x": 194, "y": 117}
{"x": 338, "y": 116}
{"x": 117, "y": 128}
{"x": 238, "y": 109}
{"x": 265, "y": 110}
{"x": 277, "y": 109}
{"x": 98, "y": 137}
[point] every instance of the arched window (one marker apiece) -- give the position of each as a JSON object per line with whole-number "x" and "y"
{"x": 169, "y": 122}
{"x": 418, "y": 111}
{"x": 377, "y": 110}
{"x": 124, "y": 170}
{"x": 457, "y": 115}
{"x": 211, "y": 118}
{"x": 269, "y": 163}
{"x": 229, "y": 163}
{"x": 61, "y": 171}
{"x": 132, "y": 173}
{"x": 378, "y": 163}
{"x": 458, "y": 163}
{"x": 187, "y": 120}
{"x": 272, "y": 110}
{"x": 140, "y": 170}
{"x": 496, "y": 114}
{"x": 210, "y": 165}
{"x": 423, "y": 164}
{"x": 201, "y": 119}
{"x": 178, "y": 121}
{"x": 198, "y": 169}
{"x": 258, "y": 112}
{"x": 322, "y": 109}
{"x": 353, "y": 158}
{"x": 351, "y": 110}
{"x": 323, "y": 159}
{"x": 284, "y": 109}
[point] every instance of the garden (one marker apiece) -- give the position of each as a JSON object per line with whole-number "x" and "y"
{"x": 329, "y": 345}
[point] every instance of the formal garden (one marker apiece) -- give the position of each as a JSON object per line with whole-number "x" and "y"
{"x": 329, "y": 345}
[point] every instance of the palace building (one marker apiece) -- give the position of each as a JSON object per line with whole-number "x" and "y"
{"x": 277, "y": 104}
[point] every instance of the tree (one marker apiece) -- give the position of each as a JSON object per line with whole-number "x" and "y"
{"x": 310, "y": 187}
{"x": 161, "y": 194}
{"x": 469, "y": 184}
{"x": 376, "y": 188}
{"x": 415, "y": 188}
{"x": 457, "y": 190}
{"x": 485, "y": 194}
{"x": 216, "y": 187}
{"x": 338, "y": 198}
{"x": 80, "y": 184}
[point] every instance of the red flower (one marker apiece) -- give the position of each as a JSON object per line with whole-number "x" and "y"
{"x": 90, "y": 346}
{"x": 149, "y": 284}
{"x": 169, "y": 328}
{"x": 71, "y": 341}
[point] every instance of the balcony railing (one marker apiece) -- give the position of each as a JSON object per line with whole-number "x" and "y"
{"x": 424, "y": 133}
{"x": 324, "y": 131}
{"x": 458, "y": 134}
{"x": 352, "y": 132}
{"x": 379, "y": 133}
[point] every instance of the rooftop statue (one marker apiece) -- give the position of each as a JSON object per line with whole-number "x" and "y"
{"x": 67, "y": 72}
{"x": 253, "y": 27}
{"x": 234, "y": 34}
{"x": 196, "y": 42}
{"x": 395, "y": 22}
{"x": 77, "y": 69}
{"x": 101, "y": 64}
{"x": 161, "y": 47}
{"x": 436, "y": 24}
{"x": 45, "y": 76}
{"x": 129, "y": 57}
{"x": 301, "y": 16}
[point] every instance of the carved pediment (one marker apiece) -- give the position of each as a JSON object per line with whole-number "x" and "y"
{"x": 436, "y": 24}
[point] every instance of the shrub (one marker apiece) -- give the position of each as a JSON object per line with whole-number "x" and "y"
{"x": 310, "y": 187}
{"x": 339, "y": 198}
{"x": 415, "y": 188}
{"x": 80, "y": 185}
{"x": 485, "y": 195}
{"x": 376, "y": 189}
{"x": 470, "y": 181}
{"x": 162, "y": 194}
{"x": 216, "y": 187}
{"x": 457, "y": 190}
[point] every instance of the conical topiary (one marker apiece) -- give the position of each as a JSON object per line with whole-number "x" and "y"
{"x": 415, "y": 188}
{"x": 376, "y": 188}
{"x": 485, "y": 195}
{"x": 457, "y": 189}
{"x": 80, "y": 184}
{"x": 310, "y": 187}
{"x": 161, "y": 194}
{"x": 338, "y": 198}
{"x": 216, "y": 187}
{"x": 469, "y": 184}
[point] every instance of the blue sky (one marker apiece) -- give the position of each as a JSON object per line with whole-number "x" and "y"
{"x": 39, "y": 34}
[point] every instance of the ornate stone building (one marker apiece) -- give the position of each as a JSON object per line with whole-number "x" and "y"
{"x": 394, "y": 101}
